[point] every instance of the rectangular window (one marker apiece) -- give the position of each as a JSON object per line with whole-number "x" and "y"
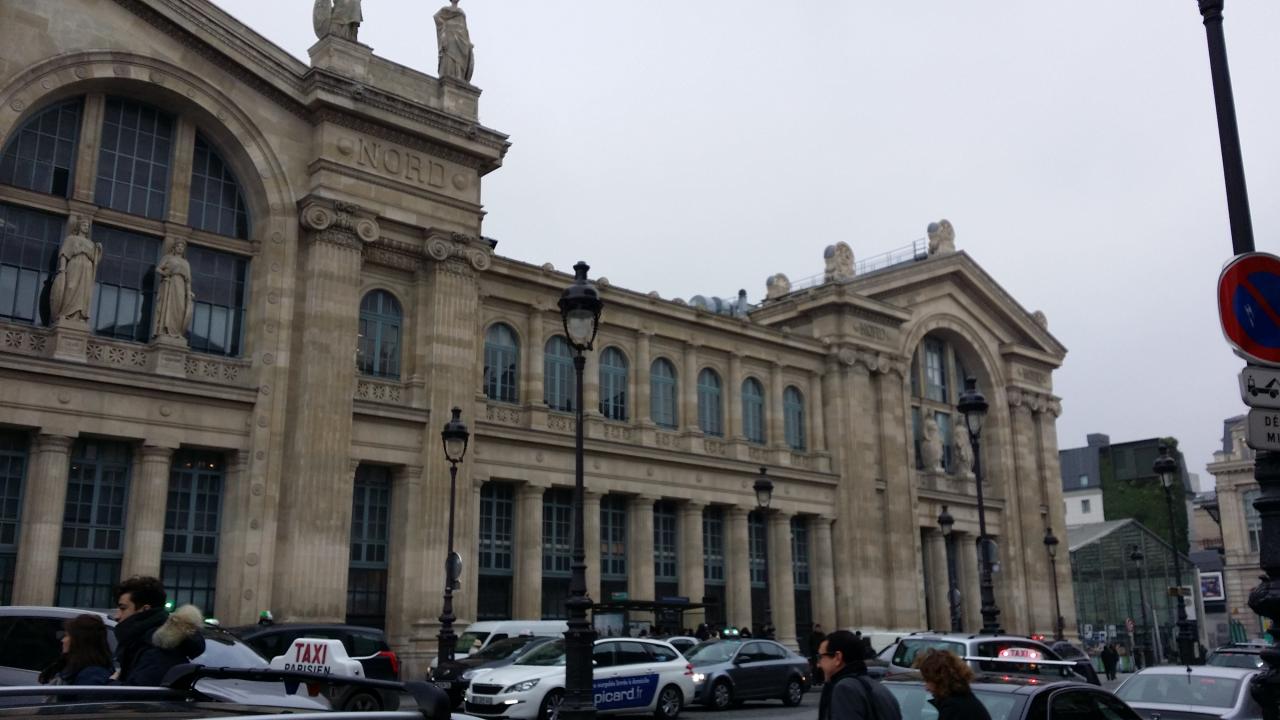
{"x": 613, "y": 537}
{"x": 935, "y": 371}
{"x": 800, "y": 553}
{"x": 1084, "y": 481}
{"x": 1085, "y": 509}
{"x": 29, "y": 243}
{"x": 713, "y": 546}
{"x": 497, "y": 512}
{"x": 13, "y": 466}
{"x": 133, "y": 166}
{"x": 126, "y": 284}
{"x": 1252, "y": 519}
{"x": 664, "y": 542}
{"x": 217, "y": 320}
{"x": 370, "y": 537}
{"x": 189, "y": 559}
{"x": 758, "y": 550}
{"x": 557, "y": 533}
{"x": 93, "y": 523}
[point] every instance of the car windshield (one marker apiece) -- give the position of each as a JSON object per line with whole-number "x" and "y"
{"x": 469, "y": 641}
{"x": 1180, "y": 689}
{"x": 906, "y": 651}
{"x": 716, "y": 651}
{"x": 221, "y": 649}
{"x": 503, "y": 649}
{"x": 547, "y": 654}
{"x": 913, "y": 698}
{"x": 1235, "y": 659}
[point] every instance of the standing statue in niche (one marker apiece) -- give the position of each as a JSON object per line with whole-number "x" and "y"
{"x": 963, "y": 450}
{"x": 176, "y": 300}
{"x": 457, "y": 55}
{"x": 337, "y": 17}
{"x": 72, "y": 288}
{"x": 839, "y": 260}
{"x": 931, "y": 446}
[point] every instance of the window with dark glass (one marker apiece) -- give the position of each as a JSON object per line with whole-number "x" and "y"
{"x": 13, "y": 465}
{"x": 757, "y": 549}
{"x": 497, "y": 535}
{"x": 126, "y": 284}
{"x": 613, "y": 537}
{"x": 800, "y": 553}
{"x": 41, "y": 154}
{"x": 370, "y": 537}
{"x": 29, "y": 242}
{"x": 710, "y": 411}
{"x": 189, "y": 557}
{"x": 613, "y": 384}
{"x": 793, "y": 417}
{"x": 936, "y": 369}
{"x": 93, "y": 523}
{"x": 501, "y": 363}
{"x": 664, "y": 541}
{"x": 557, "y": 551}
{"x": 753, "y": 411}
{"x": 713, "y": 546}
{"x": 559, "y": 382}
{"x": 217, "y": 204}
{"x": 380, "y": 321}
{"x": 662, "y": 393}
{"x": 133, "y": 166}
{"x": 219, "y": 282}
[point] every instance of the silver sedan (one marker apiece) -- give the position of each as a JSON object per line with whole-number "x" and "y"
{"x": 1178, "y": 691}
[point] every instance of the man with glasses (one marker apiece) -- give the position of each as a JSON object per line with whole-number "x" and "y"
{"x": 849, "y": 694}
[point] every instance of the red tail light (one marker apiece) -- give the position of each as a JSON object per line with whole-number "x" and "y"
{"x": 688, "y": 669}
{"x": 395, "y": 661}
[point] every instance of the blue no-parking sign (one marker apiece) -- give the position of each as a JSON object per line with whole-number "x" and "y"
{"x": 1249, "y": 306}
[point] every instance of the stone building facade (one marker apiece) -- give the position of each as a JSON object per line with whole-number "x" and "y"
{"x": 282, "y": 452}
{"x": 1239, "y": 525}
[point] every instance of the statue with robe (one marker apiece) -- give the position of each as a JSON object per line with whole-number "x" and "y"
{"x": 337, "y": 17}
{"x": 963, "y": 450}
{"x": 942, "y": 238}
{"x": 839, "y": 262}
{"x": 931, "y": 446}
{"x": 175, "y": 300}
{"x": 72, "y": 288}
{"x": 457, "y": 55}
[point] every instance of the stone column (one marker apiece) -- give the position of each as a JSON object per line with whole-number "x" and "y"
{"x": 35, "y": 576}
{"x": 689, "y": 389}
{"x": 814, "y": 411}
{"x": 640, "y": 387}
{"x": 903, "y": 605}
{"x": 408, "y": 568}
{"x": 859, "y": 529}
{"x": 935, "y": 556}
{"x": 690, "y": 559}
{"x": 782, "y": 585}
{"x": 148, "y": 498}
{"x": 737, "y": 574}
{"x": 822, "y": 573}
{"x": 1028, "y": 583}
{"x": 640, "y": 547}
{"x": 591, "y": 541}
{"x": 527, "y": 581}
{"x": 775, "y": 414}
{"x": 1051, "y": 482}
{"x": 87, "y": 151}
{"x": 315, "y": 495}
{"x": 534, "y": 358}
{"x": 591, "y": 385}
{"x": 184, "y": 142}
{"x": 237, "y": 521}
{"x": 733, "y": 397}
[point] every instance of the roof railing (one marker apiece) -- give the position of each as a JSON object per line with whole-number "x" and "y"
{"x": 917, "y": 250}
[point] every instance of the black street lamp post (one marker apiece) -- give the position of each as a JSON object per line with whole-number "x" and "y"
{"x": 946, "y": 523}
{"x": 580, "y": 307}
{"x": 1051, "y": 545}
{"x": 1137, "y": 557}
{"x": 1167, "y": 468}
{"x": 455, "y": 437}
{"x": 974, "y": 407}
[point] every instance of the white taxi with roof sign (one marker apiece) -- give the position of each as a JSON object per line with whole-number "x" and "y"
{"x": 320, "y": 656}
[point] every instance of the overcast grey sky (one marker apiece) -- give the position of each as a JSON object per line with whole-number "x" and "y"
{"x": 701, "y": 146}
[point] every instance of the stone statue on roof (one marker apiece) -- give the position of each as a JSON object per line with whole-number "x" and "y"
{"x": 457, "y": 54}
{"x": 839, "y": 260}
{"x": 776, "y": 286}
{"x": 336, "y": 17}
{"x": 942, "y": 238}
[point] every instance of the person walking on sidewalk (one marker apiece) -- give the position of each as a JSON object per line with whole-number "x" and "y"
{"x": 848, "y": 693}
{"x": 1109, "y": 660}
{"x": 947, "y": 678}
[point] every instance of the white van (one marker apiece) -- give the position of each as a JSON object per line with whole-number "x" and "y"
{"x": 478, "y": 635}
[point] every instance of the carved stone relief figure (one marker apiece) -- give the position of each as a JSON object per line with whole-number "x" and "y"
{"x": 776, "y": 286}
{"x": 72, "y": 288}
{"x": 963, "y": 451}
{"x": 175, "y": 300}
{"x": 931, "y": 446}
{"x": 457, "y": 55}
{"x": 839, "y": 260}
{"x": 337, "y": 17}
{"x": 942, "y": 238}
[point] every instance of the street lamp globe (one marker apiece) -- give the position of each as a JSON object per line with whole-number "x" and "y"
{"x": 580, "y": 307}
{"x": 764, "y": 490}
{"x": 973, "y": 405}
{"x": 455, "y": 437}
{"x": 1165, "y": 466}
{"x": 946, "y": 522}
{"x": 1050, "y": 543}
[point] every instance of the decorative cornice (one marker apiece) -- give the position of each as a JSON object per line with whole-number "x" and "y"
{"x": 337, "y": 222}
{"x": 443, "y": 246}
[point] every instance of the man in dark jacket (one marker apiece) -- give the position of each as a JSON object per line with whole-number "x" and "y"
{"x": 1110, "y": 658}
{"x": 848, "y": 693}
{"x": 150, "y": 640}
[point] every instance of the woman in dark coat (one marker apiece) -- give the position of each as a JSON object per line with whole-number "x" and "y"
{"x": 86, "y": 657}
{"x": 947, "y": 677}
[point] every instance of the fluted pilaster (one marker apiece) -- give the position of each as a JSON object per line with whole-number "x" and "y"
{"x": 408, "y": 567}
{"x": 40, "y": 533}
{"x": 782, "y": 586}
{"x": 737, "y": 569}
{"x": 148, "y": 497}
{"x": 640, "y": 547}
{"x": 690, "y": 559}
{"x": 527, "y": 580}
{"x": 822, "y": 571}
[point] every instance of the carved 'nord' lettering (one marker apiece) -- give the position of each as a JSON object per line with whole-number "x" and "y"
{"x": 873, "y": 331}
{"x": 400, "y": 163}
{"x": 1034, "y": 376}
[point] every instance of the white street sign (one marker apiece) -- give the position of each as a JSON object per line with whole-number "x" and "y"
{"x": 1263, "y": 429}
{"x": 1260, "y": 387}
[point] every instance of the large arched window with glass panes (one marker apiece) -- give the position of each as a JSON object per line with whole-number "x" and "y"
{"x": 141, "y": 212}
{"x": 710, "y": 409}
{"x": 560, "y": 384}
{"x": 501, "y": 363}
{"x": 613, "y": 384}
{"x": 793, "y": 417}
{"x": 662, "y": 393}
{"x": 753, "y": 411}
{"x": 380, "y": 324}
{"x": 937, "y": 376}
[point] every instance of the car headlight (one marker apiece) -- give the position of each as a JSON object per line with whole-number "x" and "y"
{"x": 525, "y": 686}
{"x": 468, "y": 674}
{"x": 698, "y": 678}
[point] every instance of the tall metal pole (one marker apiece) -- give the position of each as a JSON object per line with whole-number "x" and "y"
{"x": 448, "y": 639}
{"x": 953, "y": 589}
{"x": 579, "y": 700}
{"x": 1186, "y": 651}
{"x": 1146, "y": 624}
{"x": 1228, "y": 132}
{"x": 986, "y": 548}
{"x": 1059, "y": 625}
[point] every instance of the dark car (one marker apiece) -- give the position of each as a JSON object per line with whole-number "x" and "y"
{"x": 1014, "y": 696}
{"x": 455, "y": 677}
{"x": 1084, "y": 664}
{"x": 727, "y": 672}
{"x": 1237, "y": 655}
{"x": 365, "y": 644}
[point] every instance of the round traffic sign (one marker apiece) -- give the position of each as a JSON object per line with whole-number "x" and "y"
{"x": 1249, "y": 306}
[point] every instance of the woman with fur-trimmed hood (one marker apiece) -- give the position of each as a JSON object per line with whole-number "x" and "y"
{"x": 149, "y": 639}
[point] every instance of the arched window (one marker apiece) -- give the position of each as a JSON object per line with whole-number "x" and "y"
{"x": 662, "y": 393}
{"x": 559, "y": 389}
{"x": 501, "y": 363}
{"x": 380, "y": 319}
{"x": 937, "y": 373}
{"x": 613, "y": 384}
{"x": 41, "y": 156}
{"x": 793, "y": 417}
{"x": 710, "y": 412}
{"x": 217, "y": 204}
{"x": 753, "y": 411}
